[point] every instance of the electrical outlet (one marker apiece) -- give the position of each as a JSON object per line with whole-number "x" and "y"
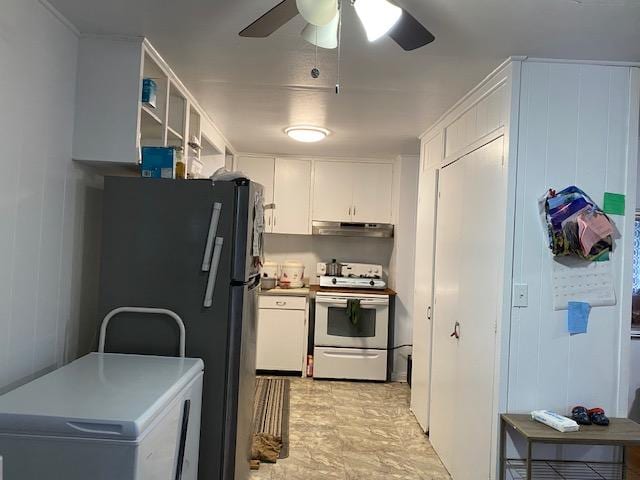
{"x": 520, "y": 295}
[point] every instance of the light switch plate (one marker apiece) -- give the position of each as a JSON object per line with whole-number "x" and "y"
{"x": 520, "y": 295}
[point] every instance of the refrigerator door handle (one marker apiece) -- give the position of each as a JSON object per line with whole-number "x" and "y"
{"x": 213, "y": 272}
{"x": 213, "y": 228}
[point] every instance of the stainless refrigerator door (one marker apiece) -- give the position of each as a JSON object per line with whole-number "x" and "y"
{"x": 155, "y": 235}
{"x": 242, "y": 372}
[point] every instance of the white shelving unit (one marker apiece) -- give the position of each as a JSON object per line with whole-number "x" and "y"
{"x": 112, "y": 123}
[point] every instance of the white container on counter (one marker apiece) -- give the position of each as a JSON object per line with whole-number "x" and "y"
{"x": 270, "y": 270}
{"x": 291, "y": 275}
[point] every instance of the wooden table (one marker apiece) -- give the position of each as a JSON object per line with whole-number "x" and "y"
{"x": 621, "y": 433}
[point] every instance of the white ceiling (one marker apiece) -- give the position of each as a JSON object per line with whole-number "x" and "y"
{"x": 254, "y": 88}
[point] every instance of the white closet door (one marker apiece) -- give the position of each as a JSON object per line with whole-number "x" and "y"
{"x": 291, "y": 196}
{"x": 423, "y": 298}
{"x": 469, "y": 245}
{"x": 448, "y": 264}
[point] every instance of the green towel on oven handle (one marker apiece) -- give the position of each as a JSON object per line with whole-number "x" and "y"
{"x": 353, "y": 310}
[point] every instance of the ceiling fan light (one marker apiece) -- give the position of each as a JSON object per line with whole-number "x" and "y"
{"x": 323, "y": 37}
{"x": 377, "y": 16}
{"x": 318, "y": 12}
{"x": 307, "y": 134}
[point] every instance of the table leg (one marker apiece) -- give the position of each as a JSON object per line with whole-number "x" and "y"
{"x": 503, "y": 449}
{"x": 529, "y": 463}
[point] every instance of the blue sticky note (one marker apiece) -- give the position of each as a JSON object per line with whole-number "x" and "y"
{"x": 578, "y": 317}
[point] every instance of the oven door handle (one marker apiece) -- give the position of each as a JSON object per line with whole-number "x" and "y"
{"x": 343, "y": 303}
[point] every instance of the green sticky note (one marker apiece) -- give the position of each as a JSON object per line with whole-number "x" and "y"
{"x": 613, "y": 203}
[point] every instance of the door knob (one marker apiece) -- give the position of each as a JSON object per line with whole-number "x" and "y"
{"x": 456, "y": 331}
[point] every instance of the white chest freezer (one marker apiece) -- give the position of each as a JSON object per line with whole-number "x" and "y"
{"x": 105, "y": 417}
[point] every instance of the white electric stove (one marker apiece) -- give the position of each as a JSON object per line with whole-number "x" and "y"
{"x": 344, "y": 348}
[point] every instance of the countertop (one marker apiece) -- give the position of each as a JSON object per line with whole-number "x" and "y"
{"x": 290, "y": 292}
{"x": 311, "y": 290}
{"x": 385, "y": 291}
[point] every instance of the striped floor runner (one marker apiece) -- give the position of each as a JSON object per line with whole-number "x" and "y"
{"x": 271, "y": 410}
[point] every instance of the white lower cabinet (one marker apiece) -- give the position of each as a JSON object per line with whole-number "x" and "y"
{"x": 282, "y": 333}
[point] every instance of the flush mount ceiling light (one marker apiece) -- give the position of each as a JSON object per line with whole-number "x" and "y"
{"x": 377, "y": 17}
{"x": 306, "y": 133}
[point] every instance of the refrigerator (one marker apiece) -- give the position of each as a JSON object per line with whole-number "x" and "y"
{"x": 193, "y": 247}
{"x": 105, "y": 417}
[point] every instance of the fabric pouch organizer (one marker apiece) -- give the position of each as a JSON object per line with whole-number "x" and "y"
{"x": 575, "y": 224}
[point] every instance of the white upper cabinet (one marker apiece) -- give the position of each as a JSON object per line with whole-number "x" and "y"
{"x": 287, "y": 183}
{"x": 112, "y": 123}
{"x": 353, "y": 192}
{"x": 292, "y": 186}
{"x": 333, "y": 191}
{"x": 372, "y": 183}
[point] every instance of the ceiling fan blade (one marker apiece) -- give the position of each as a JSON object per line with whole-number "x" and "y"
{"x": 272, "y": 20}
{"x": 409, "y": 33}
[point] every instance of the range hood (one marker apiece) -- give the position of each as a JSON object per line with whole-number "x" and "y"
{"x": 346, "y": 229}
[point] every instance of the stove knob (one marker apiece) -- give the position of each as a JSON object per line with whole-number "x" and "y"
{"x": 334, "y": 280}
{"x": 372, "y": 283}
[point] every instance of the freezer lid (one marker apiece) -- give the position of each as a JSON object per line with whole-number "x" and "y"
{"x": 104, "y": 396}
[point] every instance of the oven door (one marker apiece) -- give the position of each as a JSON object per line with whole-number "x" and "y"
{"x": 335, "y": 329}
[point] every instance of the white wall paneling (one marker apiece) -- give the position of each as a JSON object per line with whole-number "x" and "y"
{"x": 50, "y": 205}
{"x": 403, "y": 264}
{"x": 563, "y": 123}
{"x": 575, "y": 129}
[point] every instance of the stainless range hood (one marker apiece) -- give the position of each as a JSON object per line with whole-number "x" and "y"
{"x": 345, "y": 229}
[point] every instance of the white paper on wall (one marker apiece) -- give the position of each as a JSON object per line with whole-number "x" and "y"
{"x": 577, "y": 280}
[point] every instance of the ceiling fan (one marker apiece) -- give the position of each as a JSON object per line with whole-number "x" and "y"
{"x": 379, "y": 17}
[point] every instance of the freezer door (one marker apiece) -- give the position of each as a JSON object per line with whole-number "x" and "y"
{"x": 242, "y": 376}
{"x": 154, "y": 244}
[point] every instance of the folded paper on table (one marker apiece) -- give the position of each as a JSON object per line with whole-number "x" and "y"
{"x": 578, "y": 317}
{"x": 581, "y": 281}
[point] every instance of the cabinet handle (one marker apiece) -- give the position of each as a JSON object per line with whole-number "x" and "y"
{"x": 349, "y": 211}
{"x": 429, "y": 312}
{"x": 275, "y": 219}
{"x": 269, "y": 221}
{"x": 281, "y": 304}
{"x": 354, "y": 210}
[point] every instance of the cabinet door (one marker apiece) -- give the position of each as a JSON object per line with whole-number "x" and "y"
{"x": 281, "y": 340}
{"x": 291, "y": 193}
{"x": 332, "y": 191}
{"x": 260, "y": 170}
{"x": 423, "y": 297}
{"x": 372, "y": 184}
